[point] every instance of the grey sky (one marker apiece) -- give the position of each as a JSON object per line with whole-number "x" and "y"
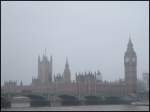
{"x": 93, "y": 35}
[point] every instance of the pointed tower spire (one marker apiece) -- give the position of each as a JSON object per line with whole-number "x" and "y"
{"x": 51, "y": 68}
{"x": 51, "y": 58}
{"x": 67, "y": 64}
{"x": 39, "y": 67}
{"x": 38, "y": 58}
{"x": 67, "y": 73}
{"x": 130, "y": 49}
{"x": 130, "y": 45}
{"x": 21, "y": 84}
{"x": 45, "y": 51}
{"x": 44, "y": 56}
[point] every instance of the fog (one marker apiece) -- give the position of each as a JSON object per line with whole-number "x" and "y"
{"x": 93, "y": 35}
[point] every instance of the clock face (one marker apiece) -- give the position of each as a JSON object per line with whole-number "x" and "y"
{"x": 126, "y": 59}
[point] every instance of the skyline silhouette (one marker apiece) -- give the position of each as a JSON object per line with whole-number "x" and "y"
{"x": 93, "y": 35}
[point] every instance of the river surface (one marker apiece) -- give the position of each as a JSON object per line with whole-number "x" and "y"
{"x": 82, "y": 108}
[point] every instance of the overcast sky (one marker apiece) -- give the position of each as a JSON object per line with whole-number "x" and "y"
{"x": 93, "y": 35}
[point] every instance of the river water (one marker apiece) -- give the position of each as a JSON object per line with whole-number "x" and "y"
{"x": 82, "y": 108}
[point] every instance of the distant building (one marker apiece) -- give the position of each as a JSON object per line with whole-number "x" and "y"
{"x": 58, "y": 78}
{"x": 130, "y": 64}
{"x": 45, "y": 69}
{"x": 140, "y": 86}
{"x": 99, "y": 78}
{"x": 67, "y": 73}
{"x": 88, "y": 83}
{"x": 10, "y": 83}
{"x": 9, "y": 86}
{"x": 146, "y": 81}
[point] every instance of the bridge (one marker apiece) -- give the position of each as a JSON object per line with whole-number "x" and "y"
{"x": 34, "y": 99}
{"x": 41, "y": 99}
{"x": 54, "y": 99}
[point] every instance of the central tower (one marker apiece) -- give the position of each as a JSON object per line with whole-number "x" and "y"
{"x": 45, "y": 69}
{"x": 67, "y": 73}
{"x": 130, "y": 63}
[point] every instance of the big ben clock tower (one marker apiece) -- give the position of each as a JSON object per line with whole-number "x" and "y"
{"x": 130, "y": 63}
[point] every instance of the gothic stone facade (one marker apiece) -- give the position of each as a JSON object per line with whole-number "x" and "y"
{"x": 85, "y": 83}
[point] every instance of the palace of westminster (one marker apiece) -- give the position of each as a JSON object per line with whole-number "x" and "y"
{"x": 87, "y": 83}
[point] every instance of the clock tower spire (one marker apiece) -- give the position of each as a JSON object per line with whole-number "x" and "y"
{"x": 130, "y": 64}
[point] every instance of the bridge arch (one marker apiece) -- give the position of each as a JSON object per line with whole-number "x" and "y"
{"x": 69, "y": 99}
